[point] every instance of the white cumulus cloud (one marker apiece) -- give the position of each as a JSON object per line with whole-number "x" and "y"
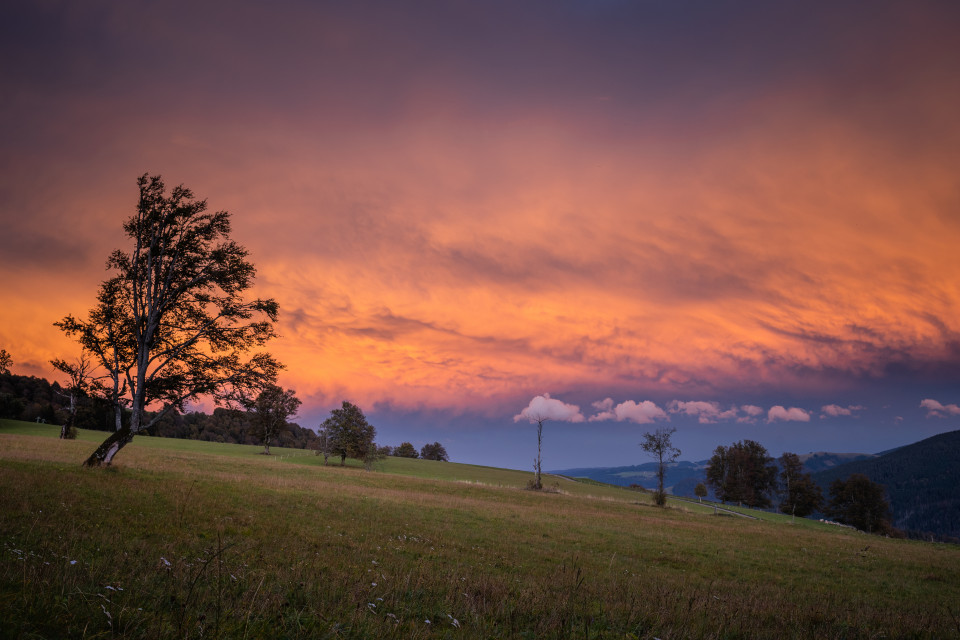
{"x": 705, "y": 412}
{"x": 938, "y": 410}
{"x": 644, "y": 412}
{"x": 836, "y": 410}
{"x": 546, "y": 408}
{"x": 793, "y": 414}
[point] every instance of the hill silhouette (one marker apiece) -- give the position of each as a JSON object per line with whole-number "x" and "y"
{"x": 922, "y": 482}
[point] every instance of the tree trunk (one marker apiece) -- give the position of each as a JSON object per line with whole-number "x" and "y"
{"x": 266, "y": 446}
{"x": 103, "y": 456}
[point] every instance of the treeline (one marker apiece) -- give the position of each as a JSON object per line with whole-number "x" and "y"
{"x": 33, "y": 399}
{"x": 229, "y": 426}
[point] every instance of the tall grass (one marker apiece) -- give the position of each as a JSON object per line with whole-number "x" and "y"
{"x": 190, "y": 544}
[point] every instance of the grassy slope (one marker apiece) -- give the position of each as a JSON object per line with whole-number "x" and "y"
{"x": 269, "y": 546}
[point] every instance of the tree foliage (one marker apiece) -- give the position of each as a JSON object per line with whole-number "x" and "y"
{"x": 5, "y": 361}
{"x": 435, "y": 451}
{"x": 271, "y": 410}
{"x": 861, "y": 503}
{"x": 743, "y": 473}
{"x": 659, "y": 445}
{"x": 349, "y": 433}
{"x": 172, "y": 325}
{"x": 700, "y": 491}
{"x": 800, "y": 495}
{"x": 405, "y": 450}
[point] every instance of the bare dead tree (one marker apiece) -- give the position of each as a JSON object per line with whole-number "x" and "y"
{"x": 538, "y": 463}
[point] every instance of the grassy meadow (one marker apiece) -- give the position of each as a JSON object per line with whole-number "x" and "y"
{"x": 186, "y": 539}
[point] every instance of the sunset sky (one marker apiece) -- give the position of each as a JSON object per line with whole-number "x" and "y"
{"x": 739, "y": 219}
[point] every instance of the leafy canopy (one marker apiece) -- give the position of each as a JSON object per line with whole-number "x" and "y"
{"x": 172, "y": 324}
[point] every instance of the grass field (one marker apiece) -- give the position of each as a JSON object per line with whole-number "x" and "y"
{"x": 189, "y": 539}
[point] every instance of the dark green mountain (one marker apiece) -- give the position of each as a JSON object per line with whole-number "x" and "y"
{"x": 922, "y": 482}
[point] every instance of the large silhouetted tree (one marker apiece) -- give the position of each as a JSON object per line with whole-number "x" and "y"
{"x": 860, "y": 502}
{"x": 271, "y": 410}
{"x": 743, "y": 473}
{"x": 5, "y": 361}
{"x": 349, "y": 433}
{"x": 659, "y": 445}
{"x": 172, "y": 325}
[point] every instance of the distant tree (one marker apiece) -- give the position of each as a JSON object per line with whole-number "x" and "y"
{"x": 322, "y": 444}
{"x": 385, "y": 451}
{"x": 173, "y": 324}
{"x": 659, "y": 445}
{"x": 373, "y": 455}
{"x": 5, "y": 361}
{"x": 349, "y": 433}
{"x": 405, "y": 450}
{"x": 861, "y": 503}
{"x": 271, "y": 411}
{"x": 800, "y": 495}
{"x": 434, "y": 451}
{"x": 80, "y": 382}
{"x": 743, "y": 473}
{"x": 11, "y": 406}
{"x": 700, "y": 491}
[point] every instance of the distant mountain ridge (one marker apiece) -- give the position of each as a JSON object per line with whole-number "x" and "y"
{"x": 681, "y": 477}
{"x": 922, "y": 482}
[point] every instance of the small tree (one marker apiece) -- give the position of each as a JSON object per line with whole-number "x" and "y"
{"x": 373, "y": 455}
{"x": 349, "y": 433}
{"x": 538, "y": 463}
{"x": 434, "y": 451}
{"x": 700, "y": 491}
{"x": 800, "y": 495}
{"x": 81, "y": 382}
{"x": 405, "y": 450}
{"x": 271, "y": 410}
{"x": 5, "y": 361}
{"x": 659, "y": 445}
{"x": 861, "y": 503}
{"x": 322, "y": 444}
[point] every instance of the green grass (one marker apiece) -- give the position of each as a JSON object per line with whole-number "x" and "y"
{"x": 186, "y": 539}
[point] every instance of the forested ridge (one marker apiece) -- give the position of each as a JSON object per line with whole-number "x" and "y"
{"x": 921, "y": 481}
{"x": 37, "y": 399}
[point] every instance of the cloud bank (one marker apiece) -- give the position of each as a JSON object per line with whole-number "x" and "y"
{"x": 937, "y": 410}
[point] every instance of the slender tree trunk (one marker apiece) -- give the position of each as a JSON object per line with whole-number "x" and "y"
{"x": 537, "y": 483}
{"x": 103, "y": 456}
{"x": 66, "y": 431}
{"x": 266, "y": 445}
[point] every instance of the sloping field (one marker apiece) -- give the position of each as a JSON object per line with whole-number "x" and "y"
{"x": 190, "y": 539}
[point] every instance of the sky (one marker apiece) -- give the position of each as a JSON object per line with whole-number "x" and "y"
{"x": 736, "y": 219}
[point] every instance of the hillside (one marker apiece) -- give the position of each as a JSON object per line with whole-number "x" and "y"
{"x": 922, "y": 482}
{"x": 644, "y": 475}
{"x": 681, "y": 477}
{"x": 188, "y": 539}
